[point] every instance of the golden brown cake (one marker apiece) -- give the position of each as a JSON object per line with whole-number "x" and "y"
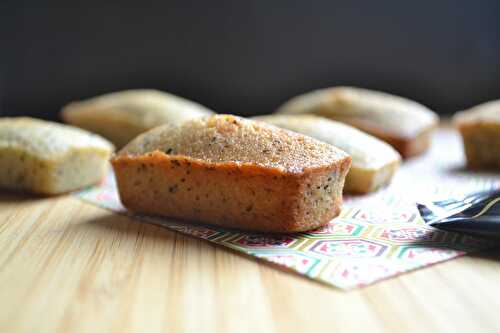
{"x": 233, "y": 172}
{"x": 404, "y": 124}
{"x": 480, "y": 130}
{"x": 374, "y": 162}
{"x": 49, "y": 158}
{"x": 121, "y": 116}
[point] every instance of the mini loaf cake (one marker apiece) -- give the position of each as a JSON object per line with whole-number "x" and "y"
{"x": 404, "y": 124}
{"x": 49, "y": 158}
{"x": 233, "y": 172}
{"x": 121, "y": 116}
{"x": 374, "y": 162}
{"x": 480, "y": 130}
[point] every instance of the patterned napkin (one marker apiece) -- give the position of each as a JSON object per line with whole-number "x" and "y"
{"x": 376, "y": 236}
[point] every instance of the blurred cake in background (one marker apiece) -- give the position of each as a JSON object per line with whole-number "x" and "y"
{"x": 480, "y": 130}
{"x": 50, "y": 158}
{"x": 403, "y": 123}
{"x": 121, "y": 116}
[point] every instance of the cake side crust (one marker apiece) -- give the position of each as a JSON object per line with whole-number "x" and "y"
{"x": 235, "y": 195}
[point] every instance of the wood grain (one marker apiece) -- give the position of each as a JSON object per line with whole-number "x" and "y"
{"x": 66, "y": 266}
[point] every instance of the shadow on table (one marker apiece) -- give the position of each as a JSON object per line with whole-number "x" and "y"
{"x": 21, "y": 197}
{"x": 492, "y": 254}
{"x": 461, "y": 170}
{"x": 140, "y": 230}
{"x": 127, "y": 227}
{"x": 474, "y": 245}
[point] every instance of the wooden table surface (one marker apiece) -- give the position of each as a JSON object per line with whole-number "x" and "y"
{"x": 67, "y": 266}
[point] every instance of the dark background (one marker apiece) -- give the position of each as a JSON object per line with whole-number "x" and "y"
{"x": 247, "y": 57}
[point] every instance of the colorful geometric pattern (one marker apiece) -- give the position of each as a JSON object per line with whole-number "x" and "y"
{"x": 375, "y": 237}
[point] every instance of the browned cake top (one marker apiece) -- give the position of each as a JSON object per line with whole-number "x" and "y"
{"x": 225, "y": 138}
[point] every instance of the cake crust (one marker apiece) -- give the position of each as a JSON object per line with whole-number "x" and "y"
{"x": 279, "y": 190}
